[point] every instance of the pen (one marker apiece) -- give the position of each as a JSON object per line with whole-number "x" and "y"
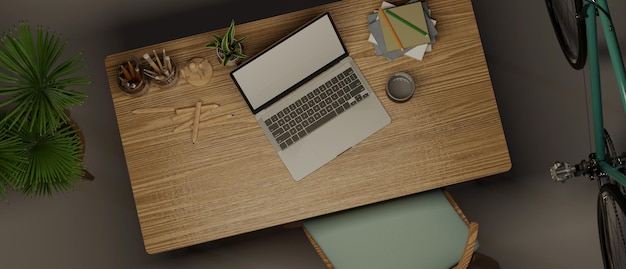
{"x": 393, "y": 33}
{"x": 394, "y": 15}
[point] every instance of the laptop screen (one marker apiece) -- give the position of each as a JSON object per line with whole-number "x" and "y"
{"x": 288, "y": 63}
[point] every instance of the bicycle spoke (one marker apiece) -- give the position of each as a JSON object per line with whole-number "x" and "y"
{"x": 617, "y": 235}
{"x": 569, "y": 29}
{"x": 613, "y": 226}
{"x": 566, "y": 11}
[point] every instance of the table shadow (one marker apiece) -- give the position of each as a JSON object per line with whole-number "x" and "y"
{"x": 202, "y": 19}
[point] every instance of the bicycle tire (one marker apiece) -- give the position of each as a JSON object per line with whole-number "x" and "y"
{"x": 568, "y": 23}
{"x": 611, "y": 226}
{"x": 610, "y": 154}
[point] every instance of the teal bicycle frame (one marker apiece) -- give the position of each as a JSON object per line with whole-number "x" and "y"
{"x": 600, "y": 8}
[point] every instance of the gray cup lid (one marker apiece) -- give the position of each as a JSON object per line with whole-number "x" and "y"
{"x": 400, "y": 87}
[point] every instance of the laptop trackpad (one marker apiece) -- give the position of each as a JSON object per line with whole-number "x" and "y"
{"x": 301, "y": 159}
{"x": 333, "y": 138}
{"x": 351, "y": 128}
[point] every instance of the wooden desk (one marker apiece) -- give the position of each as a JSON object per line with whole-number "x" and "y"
{"x": 232, "y": 182}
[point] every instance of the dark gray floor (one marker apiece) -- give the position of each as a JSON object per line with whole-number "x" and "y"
{"x": 526, "y": 220}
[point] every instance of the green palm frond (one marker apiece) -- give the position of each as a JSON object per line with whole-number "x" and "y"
{"x": 34, "y": 78}
{"x": 11, "y": 157}
{"x": 53, "y": 161}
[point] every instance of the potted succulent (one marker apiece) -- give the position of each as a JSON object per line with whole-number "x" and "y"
{"x": 228, "y": 48}
{"x": 40, "y": 146}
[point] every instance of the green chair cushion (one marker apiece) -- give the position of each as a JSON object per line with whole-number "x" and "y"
{"x": 417, "y": 231}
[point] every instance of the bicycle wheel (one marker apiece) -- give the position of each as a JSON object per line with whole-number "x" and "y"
{"x": 568, "y": 22}
{"x": 611, "y": 226}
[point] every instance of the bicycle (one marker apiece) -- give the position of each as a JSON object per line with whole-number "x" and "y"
{"x": 575, "y": 25}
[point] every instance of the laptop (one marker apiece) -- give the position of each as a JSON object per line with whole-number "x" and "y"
{"x": 309, "y": 97}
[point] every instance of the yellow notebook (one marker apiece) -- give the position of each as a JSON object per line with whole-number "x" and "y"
{"x": 414, "y": 14}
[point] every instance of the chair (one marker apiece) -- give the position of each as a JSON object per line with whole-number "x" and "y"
{"x": 425, "y": 230}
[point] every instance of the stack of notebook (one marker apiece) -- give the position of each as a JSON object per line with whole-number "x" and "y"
{"x": 402, "y": 30}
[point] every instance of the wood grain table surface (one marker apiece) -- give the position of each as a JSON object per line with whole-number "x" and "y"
{"x": 231, "y": 181}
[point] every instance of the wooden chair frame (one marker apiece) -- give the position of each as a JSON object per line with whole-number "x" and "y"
{"x": 468, "y": 257}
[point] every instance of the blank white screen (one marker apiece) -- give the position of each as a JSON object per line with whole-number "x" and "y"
{"x": 289, "y": 62}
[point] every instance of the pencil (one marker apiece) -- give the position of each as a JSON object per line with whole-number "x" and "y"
{"x": 151, "y": 62}
{"x": 217, "y": 120}
{"x": 381, "y": 13}
{"x": 186, "y": 125}
{"x": 189, "y": 115}
{"x": 127, "y": 75}
{"x": 168, "y": 63}
{"x": 196, "y": 121}
{"x": 402, "y": 20}
{"x": 192, "y": 109}
{"x": 131, "y": 69}
{"x": 158, "y": 61}
{"x": 137, "y": 71}
{"x": 153, "y": 110}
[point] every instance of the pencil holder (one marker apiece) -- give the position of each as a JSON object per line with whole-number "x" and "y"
{"x": 131, "y": 80}
{"x": 162, "y": 71}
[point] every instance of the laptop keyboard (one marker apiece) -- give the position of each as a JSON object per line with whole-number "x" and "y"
{"x": 319, "y": 106}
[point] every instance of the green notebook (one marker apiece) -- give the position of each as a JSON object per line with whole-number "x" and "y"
{"x": 412, "y": 13}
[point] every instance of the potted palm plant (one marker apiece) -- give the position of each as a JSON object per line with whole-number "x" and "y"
{"x": 228, "y": 48}
{"x": 40, "y": 148}
{"x": 11, "y": 157}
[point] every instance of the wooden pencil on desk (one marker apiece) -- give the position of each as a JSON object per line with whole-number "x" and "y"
{"x": 218, "y": 120}
{"x": 189, "y": 123}
{"x": 210, "y": 122}
{"x": 196, "y": 121}
{"x": 192, "y": 109}
{"x": 153, "y": 110}
{"x": 187, "y": 115}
